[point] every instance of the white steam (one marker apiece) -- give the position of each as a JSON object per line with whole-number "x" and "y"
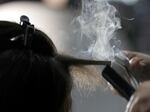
{"x": 98, "y": 23}
{"x": 96, "y": 29}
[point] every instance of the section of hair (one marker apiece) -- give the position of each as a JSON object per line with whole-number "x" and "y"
{"x": 87, "y": 77}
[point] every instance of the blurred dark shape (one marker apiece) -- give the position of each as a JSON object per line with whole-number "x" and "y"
{"x": 129, "y": 28}
{"x": 5, "y": 1}
{"x": 142, "y": 14}
{"x": 75, "y": 4}
{"x": 135, "y": 24}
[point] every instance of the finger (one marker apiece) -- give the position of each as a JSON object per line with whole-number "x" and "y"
{"x": 136, "y": 62}
{"x": 136, "y": 104}
{"x": 142, "y": 105}
{"x": 130, "y": 54}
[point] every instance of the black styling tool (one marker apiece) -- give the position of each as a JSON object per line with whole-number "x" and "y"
{"x": 121, "y": 85}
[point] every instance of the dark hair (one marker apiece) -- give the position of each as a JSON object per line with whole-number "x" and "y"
{"x": 32, "y": 78}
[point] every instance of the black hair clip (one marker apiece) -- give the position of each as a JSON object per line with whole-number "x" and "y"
{"x": 28, "y": 29}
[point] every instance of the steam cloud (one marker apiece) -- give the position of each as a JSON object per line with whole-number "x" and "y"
{"x": 98, "y": 23}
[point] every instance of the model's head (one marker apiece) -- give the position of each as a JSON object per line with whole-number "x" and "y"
{"x": 31, "y": 76}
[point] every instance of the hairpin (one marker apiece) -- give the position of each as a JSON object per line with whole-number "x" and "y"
{"x": 28, "y": 29}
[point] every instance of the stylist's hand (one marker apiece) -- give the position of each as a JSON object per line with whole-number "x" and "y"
{"x": 140, "y": 101}
{"x": 139, "y": 64}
